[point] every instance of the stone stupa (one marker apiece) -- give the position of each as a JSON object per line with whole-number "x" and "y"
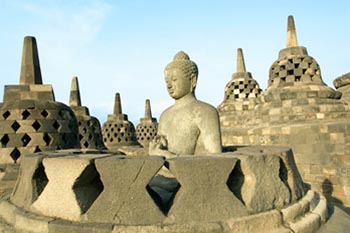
{"x": 90, "y": 135}
{"x": 118, "y": 131}
{"x": 146, "y": 130}
{"x": 241, "y": 95}
{"x": 30, "y": 119}
{"x": 300, "y": 111}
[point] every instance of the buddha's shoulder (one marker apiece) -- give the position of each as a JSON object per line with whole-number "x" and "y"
{"x": 205, "y": 106}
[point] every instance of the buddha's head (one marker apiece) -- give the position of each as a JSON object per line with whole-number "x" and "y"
{"x": 181, "y": 76}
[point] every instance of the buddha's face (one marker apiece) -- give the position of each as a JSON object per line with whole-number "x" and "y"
{"x": 178, "y": 83}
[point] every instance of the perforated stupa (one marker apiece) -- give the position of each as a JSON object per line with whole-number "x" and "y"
{"x": 90, "y": 135}
{"x": 117, "y": 131}
{"x": 30, "y": 118}
{"x": 147, "y": 128}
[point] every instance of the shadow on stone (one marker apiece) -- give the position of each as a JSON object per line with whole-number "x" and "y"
{"x": 87, "y": 187}
{"x": 235, "y": 181}
{"x": 39, "y": 181}
{"x": 163, "y": 188}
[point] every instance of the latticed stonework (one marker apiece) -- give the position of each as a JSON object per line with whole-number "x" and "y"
{"x": 31, "y": 126}
{"x": 117, "y": 131}
{"x": 30, "y": 119}
{"x": 241, "y": 96}
{"x": 147, "y": 129}
{"x": 300, "y": 111}
{"x": 145, "y": 132}
{"x": 90, "y": 135}
{"x": 292, "y": 69}
{"x": 242, "y": 88}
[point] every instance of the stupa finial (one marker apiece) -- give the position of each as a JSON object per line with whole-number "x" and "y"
{"x": 291, "y": 33}
{"x": 117, "y": 105}
{"x": 240, "y": 61}
{"x": 30, "y": 67}
{"x": 74, "y": 98}
{"x": 148, "y": 112}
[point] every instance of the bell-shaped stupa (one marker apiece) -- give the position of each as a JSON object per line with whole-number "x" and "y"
{"x": 90, "y": 135}
{"x": 241, "y": 95}
{"x": 30, "y": 118}
{"x": 146, "y": 130}
{"x": 117, "y": 131}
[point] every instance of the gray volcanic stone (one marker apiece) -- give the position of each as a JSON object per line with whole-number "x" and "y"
{"x": 125, "y": 199}
{"x": 204, "y": 195}
{"x": 32, "y": 181}
{"x": 75, "y": 181}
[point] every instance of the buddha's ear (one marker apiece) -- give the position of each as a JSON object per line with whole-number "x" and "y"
{"x": 193, "y": 82}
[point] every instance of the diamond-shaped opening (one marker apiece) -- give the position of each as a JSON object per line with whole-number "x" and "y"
{"x": 44, "y": 113}
{"x": 47, "y": 139}
{"x": 15, "y": 154}
{"x": 235, "y": 181}
{"x": 36, "y": 125}
{"x": 163, "y": 188}
{"x": 86, "y": 144}
{"x": 39, "y": 181}
{"x": 90, "y": 136}
{"x": 56, "y": 125}
{"x": 25, "y": 139}
{"x": 80, "y": 137}
{"x": 25, "y": 114}
{"x": 87, "y": 187}
{"x": 6, "y": 114}
{"x": 15, "y": 126}
{"x": 4, "y": 140}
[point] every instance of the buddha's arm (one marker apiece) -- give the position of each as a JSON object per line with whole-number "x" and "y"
{"x": 210, "y": 132}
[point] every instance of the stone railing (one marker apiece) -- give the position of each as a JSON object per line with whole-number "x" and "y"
{"x": 102, "y": 188}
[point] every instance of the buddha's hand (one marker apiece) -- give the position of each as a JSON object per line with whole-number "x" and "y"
{"x": 158, "y": 145}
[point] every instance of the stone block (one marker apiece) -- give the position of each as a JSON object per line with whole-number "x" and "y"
{"x": 73, "y": 186}
{"x": 27, "y": 222}
{"x": 7, "y": 212}
{"x": 31, "y": 181}
{"x": 308, "y": 224}
{"x": 59, "y": 226}
{"x": 262, "y": 188}
{"x": 204, "y": 194}
{"x": 125, "y": 199}
{"x": 260, "y": 223}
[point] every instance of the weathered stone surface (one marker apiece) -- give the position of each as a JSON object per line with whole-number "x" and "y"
{"x": 75, "y": 181}
{"x": 90, "y": 135}
{"x": 204, "y": 195}
{"x": 146, "y": 130}
{"x": 30, "y": 119}
{"x": 263, "y": 189}
{"x": 288, "y": 172}
{"x": 117, "y": 131}
{"x": 28, "y": 222}
{"x": 264, "y": 222}
{"x": 31, "y": 182}
{"x": 300, "y": 111}
{"x": 125, "y": 199}
{"x": 189, "y": 126}
{"x": 59, "y": 226}
{"x": 30, "y": 67}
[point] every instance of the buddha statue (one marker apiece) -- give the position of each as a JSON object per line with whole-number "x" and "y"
{"x": 190, "y": 126}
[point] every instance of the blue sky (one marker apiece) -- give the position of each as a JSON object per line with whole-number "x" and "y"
{"x": 123, "y": 46}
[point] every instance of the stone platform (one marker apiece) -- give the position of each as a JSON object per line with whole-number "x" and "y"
{"x": 252, "y": 189}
